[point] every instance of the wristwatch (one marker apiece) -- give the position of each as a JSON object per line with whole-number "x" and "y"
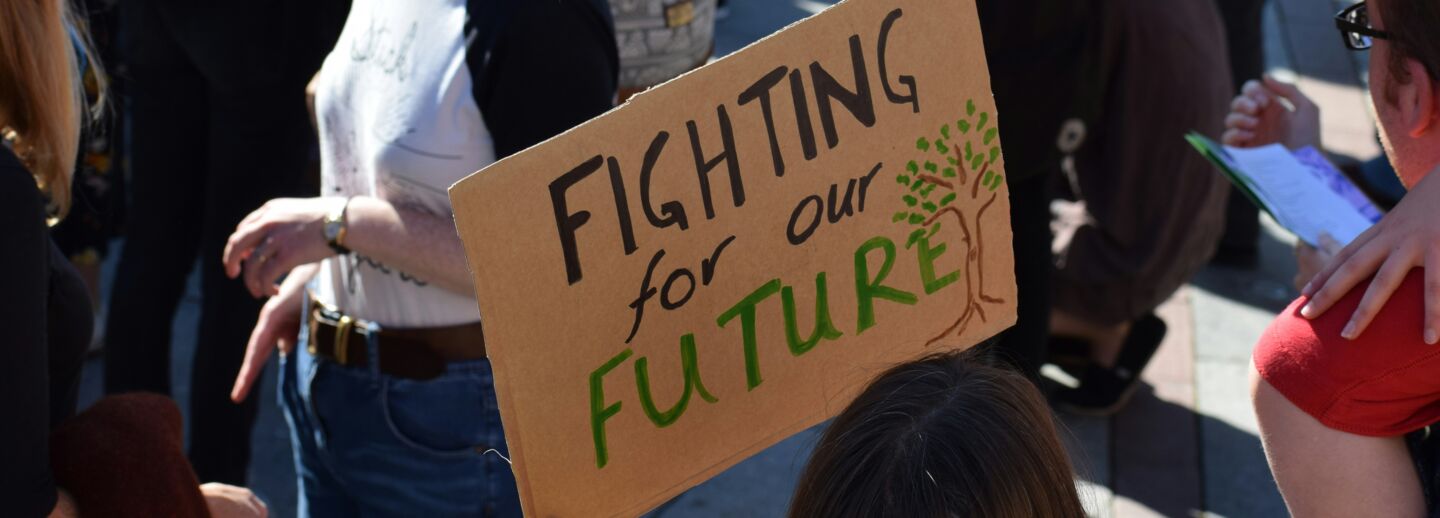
{"x": 335, "y": 229}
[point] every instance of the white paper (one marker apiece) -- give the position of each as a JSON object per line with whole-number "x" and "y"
{"x": 1299, "y": 200}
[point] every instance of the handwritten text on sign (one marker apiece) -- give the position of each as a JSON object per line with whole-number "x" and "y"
{"x": 728, "y": 258}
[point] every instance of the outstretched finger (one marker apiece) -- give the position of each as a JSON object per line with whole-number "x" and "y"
{"x": 1432, "y": 298}
{"x": 1346, "y": 271}
{"x": 257, "y": 352}
{"x": 1387, "y": 280}
{"x": 1286, "y": 90}
{"x": 1341, "y": 259}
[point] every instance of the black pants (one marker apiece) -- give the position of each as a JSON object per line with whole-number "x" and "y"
{"x": 1243, "y": 26}
{"x": 1024, "y": 346}
{"x": 204, "y": 153}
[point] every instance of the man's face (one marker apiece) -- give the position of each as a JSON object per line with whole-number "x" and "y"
{"x": 1411, "y": 158}
{"x": 1382, "y": 97}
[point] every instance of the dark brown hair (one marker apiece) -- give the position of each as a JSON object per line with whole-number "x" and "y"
{"x": 944, "y": 436}
{"x": 1411, "y": 24}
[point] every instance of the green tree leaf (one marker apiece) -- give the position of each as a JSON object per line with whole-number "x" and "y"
{"x": 949, "y": 172}
{"x": 947, "y": 199}
{"x": 910, "y": 200}
{"x": 990, "y": 135}
{"x": 969, "y": 107}
{"x": 929, "y": 207}
{"x": 922, "y": 144}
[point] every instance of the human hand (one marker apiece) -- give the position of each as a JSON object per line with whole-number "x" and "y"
{"x": 1310, "y": 260}
{"x": 226, "y": 501}
{"x": 1260, "y": 116}
{"x": 277, "y": 326}
{"x": 277, "y": 237}
{"x": 1408, "y": 237}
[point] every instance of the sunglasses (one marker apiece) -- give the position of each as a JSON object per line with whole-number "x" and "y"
{"x": 1354, "y": 25}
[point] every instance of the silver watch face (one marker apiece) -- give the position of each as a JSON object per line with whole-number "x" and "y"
{"x": 332, "y": 230}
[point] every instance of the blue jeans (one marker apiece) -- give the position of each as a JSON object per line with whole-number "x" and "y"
{"x": 369, "y": 444}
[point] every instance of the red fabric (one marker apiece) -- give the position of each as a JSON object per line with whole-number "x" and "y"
{"x": 1384, "y": 383}
{"x": 125, "y": 457}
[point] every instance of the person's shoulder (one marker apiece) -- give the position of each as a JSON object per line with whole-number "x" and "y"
{"x": 1293, "y": 340}
{"x": 543, "y": 15}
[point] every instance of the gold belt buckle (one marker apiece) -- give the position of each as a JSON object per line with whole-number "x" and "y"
{"x": 342, "y": 339}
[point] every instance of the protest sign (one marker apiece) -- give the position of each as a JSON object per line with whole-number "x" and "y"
{"x": 727, "y": 259}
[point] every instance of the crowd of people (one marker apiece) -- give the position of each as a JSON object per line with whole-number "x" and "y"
{"x": 305, "y": 172}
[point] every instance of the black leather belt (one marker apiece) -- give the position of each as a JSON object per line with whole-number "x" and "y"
{"x": 417, "y": 354}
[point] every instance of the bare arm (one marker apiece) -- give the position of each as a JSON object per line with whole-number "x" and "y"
{"x": 288, "y": 232}
{"x": 419, "y": 243}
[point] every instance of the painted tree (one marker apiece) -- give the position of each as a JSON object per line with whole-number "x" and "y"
{"x": 957, "y": 164}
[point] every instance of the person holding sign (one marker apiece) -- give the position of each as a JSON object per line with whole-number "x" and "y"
{"x": 1334, "y": 404}
{"x": 385, "y": 378}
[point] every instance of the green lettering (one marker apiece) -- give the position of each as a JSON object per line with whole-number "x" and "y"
{"x": 867, "y": 290}
{"x": 746, "y": 310}
{"x": 927, "y": 257}
{"x": 598, "y": 411}
{"x": 824, "y": 327}
{"x": 691, "y": 368}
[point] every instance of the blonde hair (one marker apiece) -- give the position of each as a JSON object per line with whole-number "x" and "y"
{"x": 41, "y": 91}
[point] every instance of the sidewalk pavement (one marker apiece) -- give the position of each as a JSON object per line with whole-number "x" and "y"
{"x": 1187, "y": 445}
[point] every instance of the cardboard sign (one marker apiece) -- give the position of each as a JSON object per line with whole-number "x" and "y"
{"x": 728, "y": 258}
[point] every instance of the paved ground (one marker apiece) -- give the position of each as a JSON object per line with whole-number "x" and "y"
{"x": 1186, "y": 446}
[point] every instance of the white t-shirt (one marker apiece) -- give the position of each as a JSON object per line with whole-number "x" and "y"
{"x": 398, "y": 122}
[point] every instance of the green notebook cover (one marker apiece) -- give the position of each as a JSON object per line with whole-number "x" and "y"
{"x": 1216, "y": 154}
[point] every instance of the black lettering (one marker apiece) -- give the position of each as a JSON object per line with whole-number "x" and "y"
{"x": 707, "y": 266}
{"x": 827, "y": 89}
{"x": 837, "y": 209}
{"x": 909, "y": 81}
{"x": 727, "y": 155}
{"x": 865, "y": 184}
{"x": 761, "y": 90}
{"x": 622, "y": 208}
{"x": 567, "y": 223}
{"x": 646, "y": 292}
{"x": 802, "y": 115}
{"x": 674, "y": 212}
{"x": 799, "y": 238}
{"x": 665, "y": 300}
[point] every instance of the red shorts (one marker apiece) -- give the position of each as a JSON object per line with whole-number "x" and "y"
{"x": 1384, "y": 383}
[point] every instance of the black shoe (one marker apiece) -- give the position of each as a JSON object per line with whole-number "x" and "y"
{"x": 1102, "y": 392}
{"x": 1069, "y": 353}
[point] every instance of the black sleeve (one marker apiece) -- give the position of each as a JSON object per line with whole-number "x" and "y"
{"x": 554, "y": 65}
{"x": 26, "y": 485}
